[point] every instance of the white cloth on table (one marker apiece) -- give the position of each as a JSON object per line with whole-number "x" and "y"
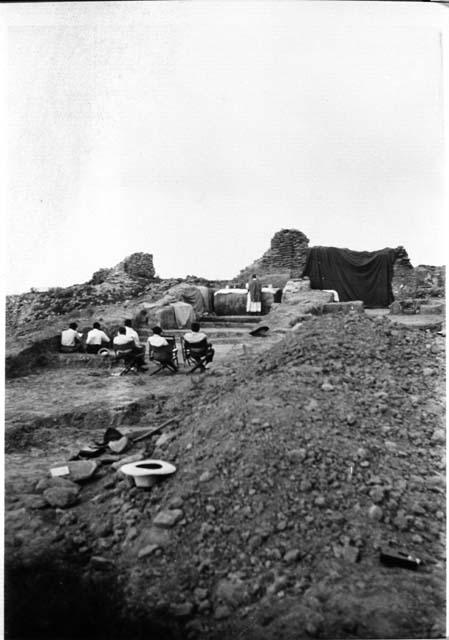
{"x": 335, "y": 294}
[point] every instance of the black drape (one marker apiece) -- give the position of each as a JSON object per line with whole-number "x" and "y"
{"x": 355, "y": 275}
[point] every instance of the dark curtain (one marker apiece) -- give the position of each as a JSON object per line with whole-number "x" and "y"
{"x": 355, "y": 275}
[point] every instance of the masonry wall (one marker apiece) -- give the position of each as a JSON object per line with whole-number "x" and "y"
{"x": 285, "y": 258}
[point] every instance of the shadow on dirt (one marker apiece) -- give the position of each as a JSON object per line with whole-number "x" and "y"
{"x": 50, "y": 599}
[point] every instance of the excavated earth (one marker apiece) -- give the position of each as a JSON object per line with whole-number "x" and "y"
{"x": 296, "y": 463}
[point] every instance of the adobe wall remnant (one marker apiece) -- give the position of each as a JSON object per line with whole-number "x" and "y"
{"x": 285, "y": 259}
{"x": 139, "y": 265}
{"x": 131, "y": 277}
{"x": 423, "y": 281}
{"x": 403, "y": 282}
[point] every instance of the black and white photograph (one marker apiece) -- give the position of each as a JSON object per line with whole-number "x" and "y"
{"x": 224, "y": 241}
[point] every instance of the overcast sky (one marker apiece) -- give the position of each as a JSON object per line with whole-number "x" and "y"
{"x": 195, "y": 131}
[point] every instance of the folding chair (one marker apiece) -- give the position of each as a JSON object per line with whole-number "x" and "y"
{"x": 196, "y": 353}
{"x": 166, "y": 356}
{"x": 129, "y": 358}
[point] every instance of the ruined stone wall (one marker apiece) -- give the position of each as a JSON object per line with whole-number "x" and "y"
{"x": 131, "y": 277}
{"x": 403, "y": 282}
{"x": 430, "y": 281}
{"x": 140, "y": 265}
{"x": 424, "y": 281}
{"x": 285, "y": 258}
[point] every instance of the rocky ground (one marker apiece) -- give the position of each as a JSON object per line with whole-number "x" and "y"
{"x": 296, "y": 464}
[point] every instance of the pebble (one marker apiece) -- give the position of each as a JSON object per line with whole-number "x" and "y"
{"x": 400, "y": 521}
{"x": 320, "y": 501}
{"x": 176, "y": 502}
{"x": 183, "y": 610}
{"x": 99, "y": 562}
{"x": 200, "y": 594}
{"x": 206, "y": 476}
{"x": 377, "y": 494}
{"x": 167, "y": 519}
{"x": 326, "y": 386}
{"x": 375, "y": 512}
{"x": 292, "y": 555}
{"x": 222, "y": 612}
{"x": 119, "y": 446}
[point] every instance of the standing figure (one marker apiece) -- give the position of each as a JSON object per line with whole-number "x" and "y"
{"x": 254, "y": 299}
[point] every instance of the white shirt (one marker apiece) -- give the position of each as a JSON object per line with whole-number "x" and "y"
{"x": 157, "y": 341}
{"x": 123, "y": 339}
{"x": 68, "y": 337}
{"x": 195, "y": 336}
{"x": 131, "y": 333}
{"x": 96, "y": 336}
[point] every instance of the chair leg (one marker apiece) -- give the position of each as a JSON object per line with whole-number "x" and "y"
{"x": 199, "y": 365}
{"x": 156, "y": 371}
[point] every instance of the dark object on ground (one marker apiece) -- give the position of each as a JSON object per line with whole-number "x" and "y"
{"x": 399, "y": 558}
{"x": 155, "y": 430}
{"x": 355, "y": 275}
{"x": 88, "y": 452}
{"x": 111, "y": 434}
{"x": 260, "y": 332}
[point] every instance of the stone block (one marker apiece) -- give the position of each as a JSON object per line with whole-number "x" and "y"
{"x": 61, "y": 497}
{"x": 430, "y": 309}
{"x": 344, "y": 307}
{"x": 395, "y": 308}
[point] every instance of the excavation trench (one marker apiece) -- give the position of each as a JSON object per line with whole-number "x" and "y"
{"x": 57, "y": 583}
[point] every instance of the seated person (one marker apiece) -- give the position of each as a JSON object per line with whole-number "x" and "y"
{"x": 132, "y": 333}
{"x": 122, "y": 343}
{"x": 95, "y": 339}
{"x": 195, "y": 336}
{"x": 71, "y": 339}
{"x": 157, "y": 339}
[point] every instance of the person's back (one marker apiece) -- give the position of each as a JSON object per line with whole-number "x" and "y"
{"x": 71, "y": 338}
{"x": 132, "y": 333}
{"x": 125, "y": 344}
{"x": 195, "y": 337}
{"x": 95, "y": 338}
{"x": 157, "y": 339}
{"x": 121, "y": 340}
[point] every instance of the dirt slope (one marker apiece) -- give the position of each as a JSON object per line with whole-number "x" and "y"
{"x": 294, "y": 468}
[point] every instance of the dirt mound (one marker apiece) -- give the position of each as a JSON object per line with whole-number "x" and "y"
{"x": 294, "y": 469}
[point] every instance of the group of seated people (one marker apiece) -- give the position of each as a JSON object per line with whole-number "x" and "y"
{"x": 128, "y": 339}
